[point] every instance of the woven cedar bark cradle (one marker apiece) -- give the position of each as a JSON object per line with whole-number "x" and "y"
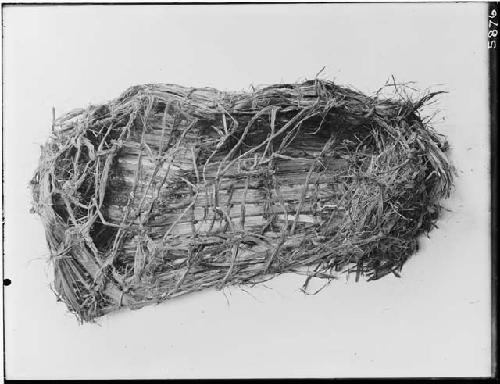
{"x": 167, "y": 190}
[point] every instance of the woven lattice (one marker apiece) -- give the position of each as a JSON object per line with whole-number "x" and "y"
{"x": 167, "y": 190}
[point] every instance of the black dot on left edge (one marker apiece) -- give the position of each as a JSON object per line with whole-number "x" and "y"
{"x": 6, "y": 282}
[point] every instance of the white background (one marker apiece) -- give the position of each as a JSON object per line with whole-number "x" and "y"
{"x": 434, "y": 321}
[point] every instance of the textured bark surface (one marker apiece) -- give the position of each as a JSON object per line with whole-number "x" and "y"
{"x": 167, "y": 190}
